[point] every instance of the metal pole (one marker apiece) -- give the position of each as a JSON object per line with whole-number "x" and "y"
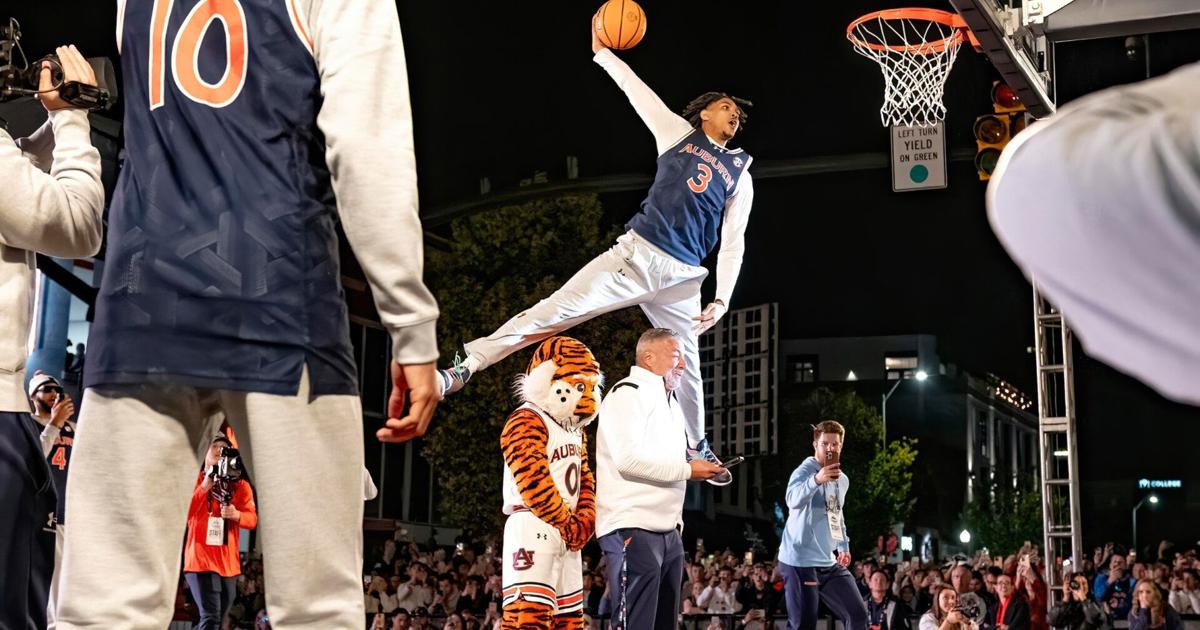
{"x": 883, "y": 408}
{"x": 1135, "y": 510}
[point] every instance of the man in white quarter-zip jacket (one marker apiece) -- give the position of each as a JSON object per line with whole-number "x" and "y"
{"x": 640, "y": 483}
{"x": 58, "y": 213}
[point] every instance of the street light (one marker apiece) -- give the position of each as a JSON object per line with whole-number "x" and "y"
{"x": 1152, "y": 498}
{"x": 964, "y": 537}
{"x": 921, "y": 375}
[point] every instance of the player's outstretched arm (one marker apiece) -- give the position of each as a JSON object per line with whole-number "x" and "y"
{"x": 731, "y": 254}
{"x": 366, "y": 118}
{"x": 667, "y": 126}
{"x": 523, "y": 442}
{"x": 367, "y": 122}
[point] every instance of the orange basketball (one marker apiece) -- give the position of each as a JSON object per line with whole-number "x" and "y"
{"x": 620, "y": 24}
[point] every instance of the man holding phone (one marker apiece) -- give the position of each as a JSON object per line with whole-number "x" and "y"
{"x": 815, "y": 550}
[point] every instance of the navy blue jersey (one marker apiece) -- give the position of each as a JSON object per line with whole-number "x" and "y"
{"x": 26, "y": 524}
{"x": 682, "y": 212}
{"x": 222, "y": 262}
{"x": 59, "y": 460}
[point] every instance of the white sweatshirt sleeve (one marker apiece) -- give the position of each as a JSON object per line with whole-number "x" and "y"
{"x": 802, "y": 485}
{"x": 633, "y": 457}
{"x": 57, "y": 213}
{"x": 733, "y": 237}
{"x": 369, "y": 489}
{"x": 1098, "y": 205}
{"x": 49, "y": 434}
{"x": 667, "y": 126}
{"x": 367, "y": 121}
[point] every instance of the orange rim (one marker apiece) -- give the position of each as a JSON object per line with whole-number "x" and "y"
{"x": 953, "y": 20}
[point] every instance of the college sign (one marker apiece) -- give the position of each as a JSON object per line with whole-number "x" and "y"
{"x": 1159, "y": 483}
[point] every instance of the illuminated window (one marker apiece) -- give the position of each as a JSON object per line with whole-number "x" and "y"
{"x": 898, "y": 365}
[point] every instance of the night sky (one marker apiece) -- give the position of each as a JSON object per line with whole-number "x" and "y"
{"x": 505, "y": 89}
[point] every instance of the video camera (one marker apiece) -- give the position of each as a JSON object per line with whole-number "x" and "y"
{"x": 225, "y": 473}
{"x": 972, "y": 607}
{"x": 20, "y": 78}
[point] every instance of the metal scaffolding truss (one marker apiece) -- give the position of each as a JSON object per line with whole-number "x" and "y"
{"x": 1059, "y": 447}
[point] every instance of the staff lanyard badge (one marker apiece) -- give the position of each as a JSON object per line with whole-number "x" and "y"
{"x": 833, "y": 512}
{"x": 216, "y": 531}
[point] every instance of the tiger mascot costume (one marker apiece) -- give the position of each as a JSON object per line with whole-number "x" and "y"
{"x": 549, "y": 490}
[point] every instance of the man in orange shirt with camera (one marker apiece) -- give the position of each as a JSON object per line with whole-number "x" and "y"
{"x": 222, "y": 505}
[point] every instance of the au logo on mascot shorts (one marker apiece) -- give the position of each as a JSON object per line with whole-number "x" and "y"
{"x": 522, "y": 559}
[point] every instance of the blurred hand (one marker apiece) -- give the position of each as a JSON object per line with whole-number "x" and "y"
{"x": 62, "y": 411}
{"x": 702, "y": 469}
{"x": 416, "y": 384}
{"x": 229, "y": 512}
{"x": 708, "y": 317}
{"x": 844, "y": 558}
{"x": 829, "y": 473}
{"x": 74, "y": 68}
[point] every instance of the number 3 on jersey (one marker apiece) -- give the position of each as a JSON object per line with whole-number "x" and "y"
{"x": 185, "y": 52}
{"x": 699, "y": 183}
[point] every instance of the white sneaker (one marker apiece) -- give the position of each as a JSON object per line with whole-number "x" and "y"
{"x": 704, "y": 451}
{"x": 453, "y": 379}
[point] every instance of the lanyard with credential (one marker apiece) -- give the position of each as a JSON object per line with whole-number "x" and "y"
{"x": 833, "y": 512}
{"x": 833, "y": 503}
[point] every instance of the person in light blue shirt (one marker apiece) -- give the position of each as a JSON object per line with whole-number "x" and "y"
{"x": 815, "y": 550}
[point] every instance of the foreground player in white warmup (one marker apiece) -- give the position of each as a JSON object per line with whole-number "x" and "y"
{"x": 221, "y": 299}
{"x": 701, "y": 192}
{"x": 1099, "y": 204}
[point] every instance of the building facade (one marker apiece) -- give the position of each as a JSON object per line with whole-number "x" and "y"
{"x": 972, "y": 431}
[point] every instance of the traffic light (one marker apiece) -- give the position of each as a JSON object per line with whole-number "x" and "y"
{"x": 994, "y": 131}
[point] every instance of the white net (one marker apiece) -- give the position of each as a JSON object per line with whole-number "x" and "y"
{"x": 915, "y": 55}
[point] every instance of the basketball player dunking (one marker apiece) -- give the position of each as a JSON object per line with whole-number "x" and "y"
{"x": 701, "y": 192}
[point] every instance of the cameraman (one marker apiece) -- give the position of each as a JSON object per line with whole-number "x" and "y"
{"x": 60, "y": 214}
{"x": 210, "y": 559}
{"x": 1077, "y": 611}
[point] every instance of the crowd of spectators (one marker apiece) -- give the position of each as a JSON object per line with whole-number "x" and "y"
{"x": 430, "y": 587}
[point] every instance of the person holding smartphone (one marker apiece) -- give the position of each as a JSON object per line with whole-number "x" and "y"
{"x": 1077, "y": 610}
{"x": 815, "y": 550}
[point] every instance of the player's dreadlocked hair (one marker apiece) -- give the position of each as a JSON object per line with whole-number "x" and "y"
{"x": 700, "y": 103}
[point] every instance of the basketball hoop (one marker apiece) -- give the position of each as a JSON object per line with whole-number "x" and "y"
{"x": 915, "y": 49}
